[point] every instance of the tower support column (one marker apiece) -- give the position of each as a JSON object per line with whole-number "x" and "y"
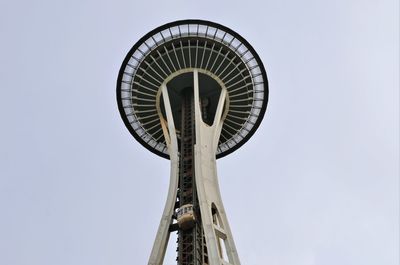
{"x": 221, "y": 248}
{"x": 219, "y": 239}
{"x": 163, "y": 233}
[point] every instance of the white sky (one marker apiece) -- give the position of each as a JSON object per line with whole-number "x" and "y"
{"x": 318, "y": 184}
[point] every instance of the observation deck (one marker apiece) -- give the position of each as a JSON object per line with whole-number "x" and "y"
{"x": 167, "y": 55}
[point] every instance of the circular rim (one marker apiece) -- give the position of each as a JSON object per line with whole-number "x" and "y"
{"x": 189, "y": 22}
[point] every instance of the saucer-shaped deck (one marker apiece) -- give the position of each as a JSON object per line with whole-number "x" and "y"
{"x": 179, "y": 48}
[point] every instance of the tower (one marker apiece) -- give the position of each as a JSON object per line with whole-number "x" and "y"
{"x": 193, "y": 91}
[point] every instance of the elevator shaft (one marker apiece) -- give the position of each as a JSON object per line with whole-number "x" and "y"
{"x": 192, "y": 248}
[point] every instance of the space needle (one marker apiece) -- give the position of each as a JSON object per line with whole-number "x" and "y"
{"x": 193, "y": 91}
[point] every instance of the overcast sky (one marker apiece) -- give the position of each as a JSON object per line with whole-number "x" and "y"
{"x": 318, "y": 183}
